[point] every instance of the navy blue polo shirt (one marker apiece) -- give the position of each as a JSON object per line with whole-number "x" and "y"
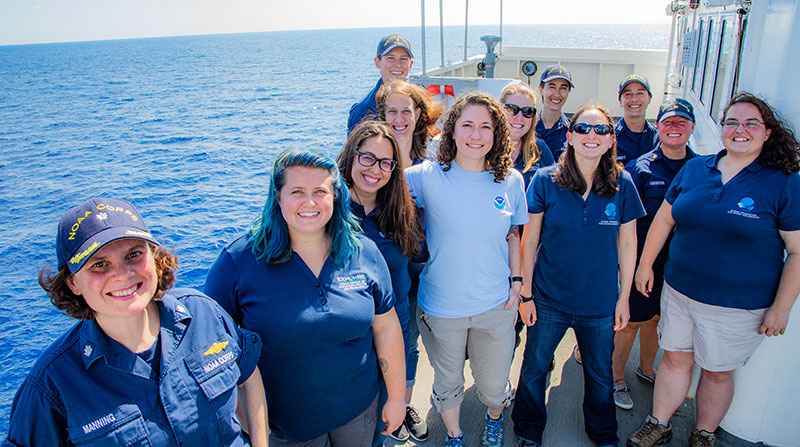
{"x": 87, "y": 389}
{"x": 395, "y": 260}
{"x": 726, "y": 250}
{"x": 364, "y": 108}
{"x": 556, "y": 136}
{"x": 576, "y": 265}
{"x": 545, "y": 159}
{"x": 318, "y": 363}
{"x": 630, "y": 144}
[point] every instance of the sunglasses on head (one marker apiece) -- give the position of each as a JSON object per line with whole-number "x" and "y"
{"x": 513, "y": 109}
{"x": 599, "y": 129}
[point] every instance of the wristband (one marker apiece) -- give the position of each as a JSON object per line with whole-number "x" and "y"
{"x": 525, "y": 299}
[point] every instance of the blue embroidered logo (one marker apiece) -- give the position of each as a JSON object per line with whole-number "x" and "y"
{"x": 499, "y": 202}
{"x": 611, "y": 210}
{"x": 747, "y": 203}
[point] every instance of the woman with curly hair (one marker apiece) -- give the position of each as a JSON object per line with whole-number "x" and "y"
{"x": 145, "y": 364}
{"x": 529, "y": 153}
{"x": 583, "y": 210}
{"x": 733, "y": 271}
{"x": 469, "y": 290}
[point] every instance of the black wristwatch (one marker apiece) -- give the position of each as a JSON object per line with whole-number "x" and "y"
{"x": 525, "y": 299}
{"x": 517, "y": 279}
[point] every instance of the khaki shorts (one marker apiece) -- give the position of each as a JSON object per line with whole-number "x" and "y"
{"x": 721, "y": 338}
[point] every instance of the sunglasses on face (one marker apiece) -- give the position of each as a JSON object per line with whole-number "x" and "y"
{"x": 599, "y": 129}
{"x": 513, "y": 109}
{"x": 367, "y": 160}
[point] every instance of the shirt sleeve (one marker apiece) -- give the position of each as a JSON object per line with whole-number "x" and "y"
{"x": 35, "y": 420}
{"x": 414, "y": 182}
{"x": 535, "y": 194}
{"x": 545, "y": 154}
{"x": 789, "y": 211}
{"x": 517, "y": 192}
{"x": 632, "y": 207}
{"x": 222, "y": 285}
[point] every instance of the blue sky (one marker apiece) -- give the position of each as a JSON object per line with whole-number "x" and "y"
{"x": 36, "y": 21}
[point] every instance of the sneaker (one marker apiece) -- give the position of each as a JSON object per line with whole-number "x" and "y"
{"x": 577, "y": 354}
{"x": 455, "y": 442}
{"x": 401, "y": 434}
{"x": 416, "y": 427}
{"x": 650, "y": 434}
{"x": 644, "y": 376}
{"x": 701, "y": 438}
{"x": 492, "y": 432}
{"x": 622, "y": 397}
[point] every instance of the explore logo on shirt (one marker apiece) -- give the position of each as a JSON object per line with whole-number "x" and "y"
{"x": 352, "y": 282}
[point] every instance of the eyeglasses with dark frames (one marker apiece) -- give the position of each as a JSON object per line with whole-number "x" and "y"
{"x": 368, "y": 159}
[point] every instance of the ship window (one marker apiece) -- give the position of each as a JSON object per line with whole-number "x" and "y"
{"x": 723, "y": 52}
{"x": 697, "y": 66}
{"x": 707, "y": 58}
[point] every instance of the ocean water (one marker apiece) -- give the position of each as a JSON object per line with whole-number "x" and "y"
{"x": 185, "y": 128}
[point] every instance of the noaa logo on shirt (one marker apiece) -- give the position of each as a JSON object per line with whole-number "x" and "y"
{"x": 499, "y": 202}
{"x": 747, "y": 204}
{"x": 611, "y": 211}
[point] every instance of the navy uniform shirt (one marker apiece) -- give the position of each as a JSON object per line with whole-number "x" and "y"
{"x": 545, "y": 159}
{"x": 364, "y": 109}
{"x": 87, "y": 389}
{"x": 630, "y": 144}
{"x": 727, "y": 250}
{"x": 318, "y": 364}
{"x": 576, "y": 266}
{"x": 556, "y": 136}
{"x": 395, "y": 260}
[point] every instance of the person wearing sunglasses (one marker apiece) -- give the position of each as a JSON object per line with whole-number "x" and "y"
{"x": 583, "y": 210}
{"x": 554, "y": 86}
{"x": 733, "y": 267}
{"x": 528, "y": 152}
{"x": 380, "y": 200}
{"x": 635, "y": 135}
{"x": 320, "y": 295}
{"x": 652, "y": 173}
{"x": 473, "y": 202}
{"x": 411, "y": 114}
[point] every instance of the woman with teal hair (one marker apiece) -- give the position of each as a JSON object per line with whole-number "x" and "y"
{"x": 319, "y": 293}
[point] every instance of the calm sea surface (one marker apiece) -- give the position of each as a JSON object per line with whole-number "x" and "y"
{"x": 185, "y": 128}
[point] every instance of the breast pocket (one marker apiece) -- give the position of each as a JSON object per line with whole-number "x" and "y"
{"x": 214, "y": 368}
{"x": 122, "y": 426}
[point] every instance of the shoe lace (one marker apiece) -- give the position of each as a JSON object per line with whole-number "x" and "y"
{"x": 493, "y": 428}
{"x": 649, "y": 432}
{"x": 455, "y": 442}
{"x": 412, "y": 414}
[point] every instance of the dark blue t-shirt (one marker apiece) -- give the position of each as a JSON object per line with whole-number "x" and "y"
{"x": 364, "y": 109}
{"x": 545, "y": 159}
{"x": 576, "y": 265}
{"x": 630, "y": 144}
{"x": 318, "y": 364}
{"x": 726, "y": 250}
{"x": 556, "y": 136}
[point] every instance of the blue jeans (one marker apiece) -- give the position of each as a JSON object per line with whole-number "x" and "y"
{"x": 595, "y": 336}
{"x": 412, "y": 347}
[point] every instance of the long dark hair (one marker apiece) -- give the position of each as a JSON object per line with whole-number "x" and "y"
{"x": 396, "y": 213}
{"x": 429, "y": 113}
{"x": 498, "y": 159}
{"x": 781, "y": 151}
{"x": 568, "y": 176}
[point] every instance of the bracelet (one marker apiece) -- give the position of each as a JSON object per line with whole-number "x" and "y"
{"x": 525, "y": 299}
{"x": 517, "y": 279}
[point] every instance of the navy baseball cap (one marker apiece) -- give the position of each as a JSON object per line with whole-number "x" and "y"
{"x": 390, "y": 42}
{"x": 676, "y": 107}
{"x": 635, "y": 78}
{"x": 556, "y": 72}
{"x": 87, "y": 227}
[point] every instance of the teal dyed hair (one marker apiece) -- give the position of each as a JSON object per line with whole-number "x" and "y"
{"x": 269, "y": 232}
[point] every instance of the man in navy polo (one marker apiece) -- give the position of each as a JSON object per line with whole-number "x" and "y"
{"x": 394, "y": 60}
{"x": 554, "y": 86}
{"x": 652, "y": 173}
{"x": 635, "y": 136}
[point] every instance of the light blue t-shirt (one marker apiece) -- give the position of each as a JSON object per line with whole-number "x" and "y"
{"x": 467, "y": 217}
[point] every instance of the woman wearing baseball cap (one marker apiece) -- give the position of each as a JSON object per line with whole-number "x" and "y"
{"x": 144, "y": 364}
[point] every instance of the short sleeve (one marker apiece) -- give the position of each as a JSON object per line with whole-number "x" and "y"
{"x": 545, "y": 154}
{"x": 35, "y": 420}
{"x": 789, "y": 205}
{"x": 536, "y": 192}
{"x": 414, "y": 181}
{"x": 520, "y": 216}
{"x": 250, "y": 345}
{"x": 632, "y": 207}
{"x": 222, "y": 285}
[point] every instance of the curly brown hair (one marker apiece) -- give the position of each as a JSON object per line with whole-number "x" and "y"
{"x": 781, "y": 151}
{"x": 396, "y": 213}
{"x": 75, "y": 306}
{"x": 568, "y": 176}
{"x": 528, "y": 149}
{"x": 429, "y": 113}
{"x": 498, "y": 159}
